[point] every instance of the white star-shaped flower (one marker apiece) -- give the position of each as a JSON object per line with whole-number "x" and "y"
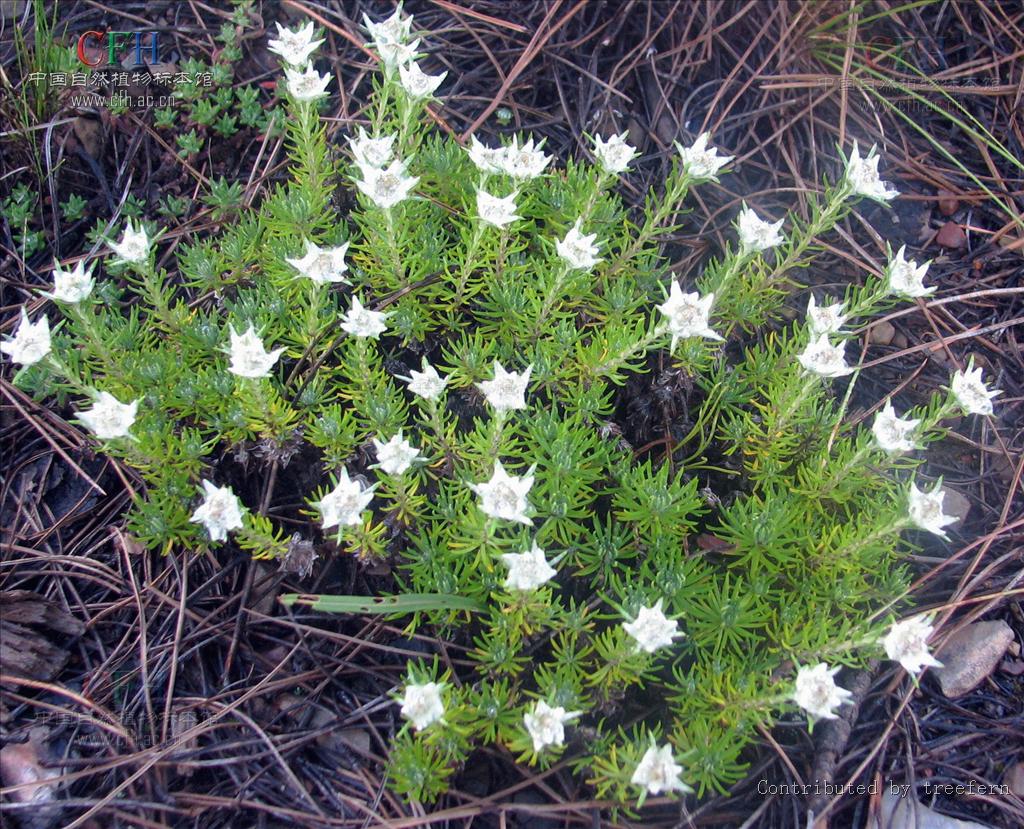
{"x": 388, "y": 186}
{"x": 756, "y": 234}
{"x": 652, "y": 629}
{"x": 496, "y": 211}
{"x": 134, "y": 245}
{"x": 971, "y": 392}
{"x": 906, "y": 643}
{"x": 925, "y": 510}
{"x": 862, "y": 176}
{"x": 688, "y": 314}
{"x": 546, "y": 724}
{"x": 295, "y": 47}
{"x": 397, "y": 455}
{"x": 248, "y": 356}
{"x": 322, "y": 265}
{"x": 219, "y": 512}
{"x": 700, "y": 161}
{"x": 828, "y": 319}
{"x": 422, "y": 704}
{"x": 906, "y": 278}
{"x": 658, "y": 772}
{"x": 71, "y": 286}
{"x": 344, "y": 505}
{"x": 529, "y": 570}
{"x": 30, "y": 343}
{"x": 614, "y": 154}
{"x": 817, "y": 693}
{"x": 417, "y": 83}
{"x": 109, "y": 418}
{"x": 504, "y": 495}
{"x": 578, "y": 249}
{"x": 309, "y": 85}
{"x": 396, "y": 29}
{"x": 822, "y": 358}
{"x": 523, "y": 163}
{"x": 362, "y": 322}
{"x": 892, "y": 433}
{"x": 507, "y": 390}
{"x": 485, "y": 159}
{"x": 372, "y": 152}
{"x": 427, "y": 384}
{"x": 395, "y": 55}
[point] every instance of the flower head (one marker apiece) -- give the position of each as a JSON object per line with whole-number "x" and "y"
{"x": 906, "y": 643}
{"x": 496, "y": 211}
{"x": 906, "y": 278}
{"x": 71, "y": 286}
{"x": 30, "y": 343}
{"x": 344, "y": 505}
{"x": 134, "y": 245}
{"x": 529, "y": 570}
{"x": 525, "y": 162}
{"x": 892, "y": 433}
{"x": 507, "y": 390}
{"x": 422, "y": 704}
{"x": 862, "y": 176}
{"x": 614, "y": 154}
{"x": 700, "y": 161}
{"x": 397, "y": 455}
{"x": 504, "y": 495}
{"x": 248, "y": 356}
{"x": 817, "y": 693}
{"x": 372, "y": 152}
{"x": 925, "y": 510}
{"x": 827, "y": 319}
{"x": 396, "y": 29}
{"x": 362, "y": 322}
{"x": 971, "y": 392}
{"x": 546, "y": 724}
{"x": 756, "y": 234}
{"x": 295, "y": 47}
{"x": 219, "y": 512}
{"x": 427, "y": 384}
{"x": 658, "y": 772}
{"x": 485, "y": 159}
{"x": 388, "y": 186}
{"x": 395, "y": 55}
{"x": 822, "y": 358}
{"x": 688, "y": 314}
{"x": 652, "y": 629}
{"x": 578, "y": 250}
{"x": 322, "y": 265}
{"x": 109, "y": 418}
{"x": 309, "y": 85}
{"x": 417, "y": 83}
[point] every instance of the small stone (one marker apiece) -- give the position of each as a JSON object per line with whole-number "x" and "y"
{"x": 1014, "y": 779}
{"x": 903, "y": 813}
{"x": 951, "y": 235}
{"x": 970, "y": 655}
{"x": 948, "y": 202}
{"x": 956, "y": 504}
{"x": 881, "y": 333}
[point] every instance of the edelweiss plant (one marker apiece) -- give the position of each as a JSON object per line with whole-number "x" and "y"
{"x": 445, "y": 361}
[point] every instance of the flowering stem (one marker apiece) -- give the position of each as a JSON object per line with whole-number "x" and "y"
{"x": 394, "y": 251}
{"x": 609, "y": 365}
{"x": 468, "y": 264}
{"x": 95, "y": 340}
{"x": 551, "y": 297}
